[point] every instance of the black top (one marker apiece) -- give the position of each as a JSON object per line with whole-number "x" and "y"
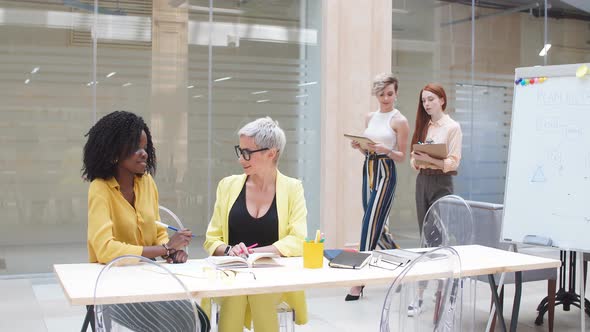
{"x": 245, "y": 228}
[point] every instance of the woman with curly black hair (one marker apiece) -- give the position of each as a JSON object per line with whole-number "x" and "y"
{"x": 119, "y": 160}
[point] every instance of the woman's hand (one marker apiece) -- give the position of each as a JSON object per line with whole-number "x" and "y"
{"x": 422, "y": 157}
{"x": 180, "y": 239}
{"x": 240, "y": 249}
{"x": 355, "y": 145}
{"x": 379, "y": 148}
{"x": 179, "y": 256}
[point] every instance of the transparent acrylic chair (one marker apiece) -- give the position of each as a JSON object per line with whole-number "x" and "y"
{"x": 449, "y": 222}
{"x": 170, "y": 218}
{"x": 445, "y": 313}
{"x": 147, "y": 313}
{"x": 285, "y": 313}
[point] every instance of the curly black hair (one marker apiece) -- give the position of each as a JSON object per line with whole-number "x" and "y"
{"x": 114, "y": 137}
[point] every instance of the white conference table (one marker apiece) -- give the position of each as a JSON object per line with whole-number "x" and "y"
{"x": 78, "y": 280}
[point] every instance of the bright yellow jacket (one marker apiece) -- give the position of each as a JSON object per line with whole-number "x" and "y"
{"x": 115, "y": 228}
{"x": 292, "y": 214}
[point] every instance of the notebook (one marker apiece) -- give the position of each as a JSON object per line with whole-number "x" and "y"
{"x": 331, "y": 253}
{"x": 350, "y": 260}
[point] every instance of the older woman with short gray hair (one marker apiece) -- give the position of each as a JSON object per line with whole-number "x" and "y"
{"x": 260, "y": 210}
{"x": 266, "y": 134}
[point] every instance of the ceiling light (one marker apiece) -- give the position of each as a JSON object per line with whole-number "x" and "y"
{"x": 223, "y": 79}
{"x": 214, "y": 10}
{"x": 27, "y": 81}
{"x": 259, "y": 92}
{"x": 197, "y": 96}
{"x": 190, "y": 86}
{"x": 36, "y": 69}
{"x": 262, "y": 100}
{"x": 111, "y": 74}
{"x": 127, "y": 84}
{"x": 544, "y": 50}
{"x": 308, "y": 83}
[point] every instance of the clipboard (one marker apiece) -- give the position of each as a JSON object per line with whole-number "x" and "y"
{"x": 438, "y": 151}
{"x": 363, "y": 141}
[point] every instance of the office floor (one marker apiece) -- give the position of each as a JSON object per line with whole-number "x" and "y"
{"x": 37, "y": 303}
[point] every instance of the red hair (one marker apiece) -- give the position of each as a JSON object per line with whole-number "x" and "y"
{"x": 422, "y": 118}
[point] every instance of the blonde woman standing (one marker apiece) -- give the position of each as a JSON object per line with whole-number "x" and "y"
{"x": 389, "y": 129}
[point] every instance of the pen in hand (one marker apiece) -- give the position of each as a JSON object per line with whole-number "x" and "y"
{"x": 248, "y": 247}
{"x": 172, "y": 228}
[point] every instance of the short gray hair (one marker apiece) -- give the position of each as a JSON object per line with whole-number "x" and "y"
{"x": 266, "y": 133}
{"x": 381, "y": 81}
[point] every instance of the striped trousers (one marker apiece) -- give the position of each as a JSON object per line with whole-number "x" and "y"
{"x": 379, "y": 180}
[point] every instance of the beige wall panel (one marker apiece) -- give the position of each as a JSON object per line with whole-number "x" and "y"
{"x": 356, "y": 44}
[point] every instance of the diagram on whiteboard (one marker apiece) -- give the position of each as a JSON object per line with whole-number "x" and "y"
{"x": 538, "y": 175}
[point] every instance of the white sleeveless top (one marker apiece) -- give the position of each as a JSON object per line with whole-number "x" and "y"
{"x": 379, "y": 128}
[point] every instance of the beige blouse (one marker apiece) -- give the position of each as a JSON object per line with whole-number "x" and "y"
{"x": 446, "y": 131}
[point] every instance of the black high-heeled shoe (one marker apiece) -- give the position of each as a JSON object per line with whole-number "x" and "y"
{"x": 350, "y": 297}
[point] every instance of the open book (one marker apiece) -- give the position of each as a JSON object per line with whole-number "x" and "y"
{"x": 259, "y": 259}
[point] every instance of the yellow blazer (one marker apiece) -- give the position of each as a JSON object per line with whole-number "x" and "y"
{"x": 292, "y": 214}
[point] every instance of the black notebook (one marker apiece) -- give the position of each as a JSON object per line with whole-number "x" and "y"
{"x": 331, "y": 253}
{"x": 350, "y": 260}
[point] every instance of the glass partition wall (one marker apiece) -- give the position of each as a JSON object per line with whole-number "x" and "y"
{"x": 195, "y": 70}
{"x": 472, "y": 49}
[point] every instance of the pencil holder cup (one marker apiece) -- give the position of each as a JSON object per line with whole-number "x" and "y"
{"x": 313, "y": 255}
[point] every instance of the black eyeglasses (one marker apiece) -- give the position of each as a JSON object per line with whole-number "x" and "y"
{"x": 245, "y": 153}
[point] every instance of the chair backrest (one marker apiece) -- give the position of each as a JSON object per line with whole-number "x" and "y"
{"x": 170, "y": 218}
{"x": 448, "y": 222}
{"x": 442, "y": 315}
{"x": 133, "y": 275}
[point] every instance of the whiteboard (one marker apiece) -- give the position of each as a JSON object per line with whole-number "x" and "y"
{"x": 548, "y": 177}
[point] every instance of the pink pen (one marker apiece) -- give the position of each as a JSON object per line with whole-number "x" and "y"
{"x": 250, "y": 247}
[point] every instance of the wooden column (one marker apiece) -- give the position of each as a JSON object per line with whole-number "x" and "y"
{"x": 356, "y": 46}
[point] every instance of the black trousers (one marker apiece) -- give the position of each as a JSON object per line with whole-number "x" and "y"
{"x": 429, "y": 188}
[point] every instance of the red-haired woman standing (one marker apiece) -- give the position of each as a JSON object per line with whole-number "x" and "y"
{"x": 433, "y": 125}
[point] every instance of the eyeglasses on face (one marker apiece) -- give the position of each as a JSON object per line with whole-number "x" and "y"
{"x": 246, "y": 153}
